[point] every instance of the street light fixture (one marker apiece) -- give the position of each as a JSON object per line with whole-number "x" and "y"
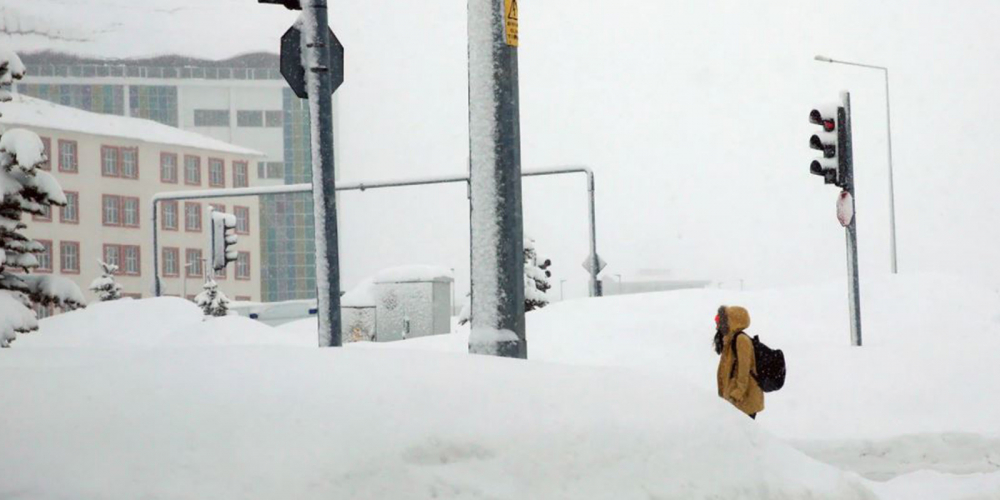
{"x": 888, "y": 124}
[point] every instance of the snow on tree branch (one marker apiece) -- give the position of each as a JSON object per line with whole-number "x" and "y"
{"x": 25, "y": 189}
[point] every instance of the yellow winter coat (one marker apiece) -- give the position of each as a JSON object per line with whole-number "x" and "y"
{"x": 741, "y": 389}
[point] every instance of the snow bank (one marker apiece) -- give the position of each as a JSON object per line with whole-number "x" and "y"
{"x": 928, "y": 360}
{"x": 149, "y": 323}
{"x": 346, "y": 423}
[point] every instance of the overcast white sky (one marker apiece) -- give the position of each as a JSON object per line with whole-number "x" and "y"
{"x": 693, "y": 115}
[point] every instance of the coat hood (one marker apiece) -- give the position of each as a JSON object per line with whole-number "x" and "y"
{"x": 737, "y": 318}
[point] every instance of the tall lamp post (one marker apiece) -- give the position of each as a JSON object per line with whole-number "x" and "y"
{"x": 888, "y": 124}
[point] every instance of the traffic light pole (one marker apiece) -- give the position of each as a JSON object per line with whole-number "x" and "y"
{"x": 495, "y": 181}
{"x": 846, "y": 153}
{"x": 319, "y": 80}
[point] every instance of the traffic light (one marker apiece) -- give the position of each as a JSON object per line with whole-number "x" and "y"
{"x": 289, "y": 4}
{"x": 223, "y": 238}
{"x": 826, "y": 141}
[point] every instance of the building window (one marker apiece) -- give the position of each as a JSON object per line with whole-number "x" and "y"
{"x": 211, "y": 118}
{"x": 70, "y": 214}
{"x": 45, "y": 216}
{"x": 131, "y": 260}
{"x": 249, "y": 118}
{"x": 243, "y": 298}
{"x": 240, "y": 174}
{"x": 216, "y": 172}
{"x": 243, "y": 265}
{"x": 192, "y": 170}
{"x": 270, "y": 170}
{"x": 171, "y": 256}
{"x": 242, "y": 219}
{"x": 113, "y": 256}
{"x": 274, "y": 118}
{"x": 193, "y": 263}
{"x": 217, "y": 207}
{"x": 47, "y": 145}
{"x": 168, "y": 168}
{"x": 69, "y": 257}
{"x": 130, "y": 162}
{"x": 109, "y": 161}
{"x": 67, "y": 156}
{"x": 192, "y": 216}
{"x": 111, "y": 210}
{"x": 154, "y": 102}
{"x": 130, "y": 212}
{"x": 45, "y": 257}
{"x": 170, "y": 215}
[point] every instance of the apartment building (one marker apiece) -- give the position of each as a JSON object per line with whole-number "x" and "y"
{"x": 222, "y": 83}
{"x": 110, "y": 167}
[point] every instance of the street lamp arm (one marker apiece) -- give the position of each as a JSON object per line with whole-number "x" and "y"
{"x": 837, "y": 61}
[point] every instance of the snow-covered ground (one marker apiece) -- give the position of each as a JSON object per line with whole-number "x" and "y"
{"x": 143, "y": 398}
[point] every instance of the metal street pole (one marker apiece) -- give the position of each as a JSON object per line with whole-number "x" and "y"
{"x": 888, "y": 123}
{"x": 562, "y": 296}
{"x": 316, "y": 60}
{"x": 495, "y": 181}
{"x": 846, "y": 154}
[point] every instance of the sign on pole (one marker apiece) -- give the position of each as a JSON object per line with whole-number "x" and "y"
{"x": 588, "y": 265}
{"x": 845, "y": 208}
{"x": 291, "y": 62}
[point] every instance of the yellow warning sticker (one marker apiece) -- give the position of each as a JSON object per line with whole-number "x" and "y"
{"x": 510, "y": 22}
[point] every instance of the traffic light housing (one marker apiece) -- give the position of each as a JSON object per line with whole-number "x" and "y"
{"x": 830, "y": 165}
{"x": 289, "y": 4}
{"x": 223, "y": 239}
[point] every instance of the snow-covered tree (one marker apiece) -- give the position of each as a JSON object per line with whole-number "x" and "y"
{"x": 536, "y": 283}
{"x": 536, "y": 278}
{"x": 24, "y": 189}
{"x": 212, "y": 301}
{"x": 105, "y": 286}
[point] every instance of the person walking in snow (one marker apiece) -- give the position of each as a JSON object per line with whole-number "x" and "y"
{"x": 737, "y": 366}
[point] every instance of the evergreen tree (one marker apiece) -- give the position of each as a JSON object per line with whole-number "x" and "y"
{"x": 25, "y": 189}
{"x": 212, "y": 301}
{"x": 536, "y": 278}
{"x": 105, "y": 286}
{"x": 536, "y": 283}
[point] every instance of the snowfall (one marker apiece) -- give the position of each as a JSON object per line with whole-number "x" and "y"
{"x": 144, "y": 399}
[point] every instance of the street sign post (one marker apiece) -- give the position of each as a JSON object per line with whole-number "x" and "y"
{"x": 291, "y": 62}
{"x": 312, "y": 61}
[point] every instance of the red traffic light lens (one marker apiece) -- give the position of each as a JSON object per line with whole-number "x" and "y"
{"x": 829, "y": 125}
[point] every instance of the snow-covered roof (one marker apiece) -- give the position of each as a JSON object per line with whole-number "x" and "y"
{"x": 30, "y": 112}
{"x": 413, "y": 274}
{"x": 125, "y": 29}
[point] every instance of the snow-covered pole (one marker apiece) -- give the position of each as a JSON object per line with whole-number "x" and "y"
{"x": 495, "y": 180}
{"x": 319, "y": 81}
{"x": 846, "y": 155}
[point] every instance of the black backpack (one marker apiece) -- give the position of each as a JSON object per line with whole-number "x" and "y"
{"x": 770, "y": 365}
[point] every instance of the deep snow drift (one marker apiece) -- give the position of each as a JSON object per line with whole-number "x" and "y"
{"x": 140, "y": 397}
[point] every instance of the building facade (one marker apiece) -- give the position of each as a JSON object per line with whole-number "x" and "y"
{"x": 110, "y": 167}
{"x": 243, "y": 101}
